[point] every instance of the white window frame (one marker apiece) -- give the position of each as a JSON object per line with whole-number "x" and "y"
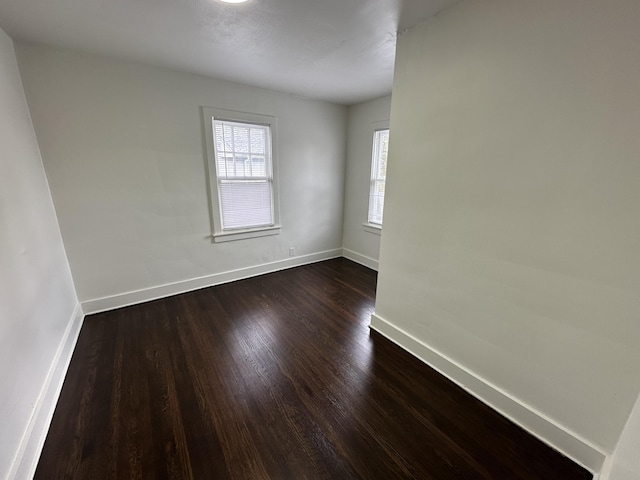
{"x": 369, "y": 226}
{"x": 210, "y": 114}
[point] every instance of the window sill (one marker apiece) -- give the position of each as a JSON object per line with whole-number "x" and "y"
{"x": 232, "y": 235}
{"x": 371, "y": 228}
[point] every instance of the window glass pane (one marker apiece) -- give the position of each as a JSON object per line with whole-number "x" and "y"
{"x": 383, "y": 148}
{"x": 218, "y": 133}
{"x": 258, "y": 140}
{"x": 241, "y": 139}
{"x": 258, "y": 166}
{"x": 378, "y": 175}
{"x": 224, "y": 137}
{"x": 239, "y": 166}
{"x": 377, "y": 202}
{"x": 221, "y": 150}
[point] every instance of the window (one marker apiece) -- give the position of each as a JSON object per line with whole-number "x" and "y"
{"x": 241, "y": 157}
{"x": 378, "y": 176}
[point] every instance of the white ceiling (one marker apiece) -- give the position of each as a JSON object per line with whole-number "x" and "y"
{"x": 337, "y": 50}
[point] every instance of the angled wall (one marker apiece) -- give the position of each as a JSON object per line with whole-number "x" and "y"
{"x": 39, "y": 312}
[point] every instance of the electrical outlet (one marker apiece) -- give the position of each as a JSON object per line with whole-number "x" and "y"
{"x": 292, "y": 251}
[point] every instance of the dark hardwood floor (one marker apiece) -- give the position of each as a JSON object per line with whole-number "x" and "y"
{"x": 274, "y": 377}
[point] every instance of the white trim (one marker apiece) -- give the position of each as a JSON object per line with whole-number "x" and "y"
{"x": 153, "y": 293}
{"x": 26, "y": 459}
{"x": 536, "y": 423}
{"x": 230, "y": 235}
{"x": 372, "y": 263}
{"x": 606, "y": 469}
{"x": 372, "y": 228}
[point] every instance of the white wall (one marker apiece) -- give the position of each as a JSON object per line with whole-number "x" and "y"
{"x": 511, "y": 236}
{"x": 37, "y": 298}
{"x": 360, "y": 244}
{"x": 625, "y": 463}
{"x": 122, "y": 144}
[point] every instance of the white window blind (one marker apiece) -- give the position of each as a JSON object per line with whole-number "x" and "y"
{"x": 244, "y": 174}
{"x": 378, "y": 175}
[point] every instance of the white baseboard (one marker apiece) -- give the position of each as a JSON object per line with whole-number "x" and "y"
{"x": 372, "y": 263}
{"x": 161, "y": 291}
{"x": 553, "y": 434}
{"x": 26, "y": 460}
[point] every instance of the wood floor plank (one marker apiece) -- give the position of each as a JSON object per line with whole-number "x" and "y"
{"x": 273, "y": 377}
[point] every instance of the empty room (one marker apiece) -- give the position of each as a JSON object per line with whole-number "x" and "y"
{"x": 296, "y": 239}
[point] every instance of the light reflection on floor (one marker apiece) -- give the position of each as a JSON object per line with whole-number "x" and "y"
{"x": 261, "y": 347}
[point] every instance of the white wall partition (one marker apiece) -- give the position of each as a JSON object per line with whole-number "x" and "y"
{"x": 509, "y": 257}
{"x": 124, "y": 150}
{"x": 39, "y": 312}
